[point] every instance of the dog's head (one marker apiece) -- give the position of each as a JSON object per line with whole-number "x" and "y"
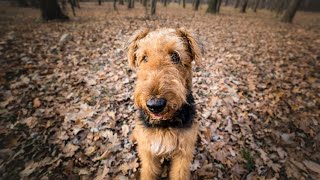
{"x": 163, "y": 60}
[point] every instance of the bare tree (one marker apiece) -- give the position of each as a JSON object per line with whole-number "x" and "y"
{"x": 115, "y": 6}
{"x": 165, "y": 3}
{"x": 50, "y": 10}
{"x": 99, "y": 2}
{"x": 212, "y": 6}
{"x": 196, "y": 5}
{"x": 130, "y": 4}
{"x": 257, "y": 2}
{"x": 218, "y": 5}
{"x": 236, "y": 5}
{"x": 153, "y": 7}
{"x": 291, "y": 11}
{"x": 244, "y": 6}
{"x": 184, "y": 3}
{"x": 144, "y": 3}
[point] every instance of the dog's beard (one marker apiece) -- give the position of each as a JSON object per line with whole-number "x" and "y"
{"x": 183, "y": 117}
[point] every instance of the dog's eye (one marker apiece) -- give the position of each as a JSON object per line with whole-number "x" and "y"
{"x": 175, "y": 57}
{"x": 145, "y": 59}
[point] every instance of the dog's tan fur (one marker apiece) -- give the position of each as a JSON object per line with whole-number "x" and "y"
{"x": 159, "y": 77}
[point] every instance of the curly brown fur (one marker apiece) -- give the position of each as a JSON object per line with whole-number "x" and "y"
{"x": 171, "y": 133}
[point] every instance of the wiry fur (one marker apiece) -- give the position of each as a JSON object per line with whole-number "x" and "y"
{"x": 159, "y": 77}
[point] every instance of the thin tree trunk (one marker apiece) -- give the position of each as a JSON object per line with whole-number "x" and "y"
{"x": 244, "y": 6}
{"x": 196, "y": 5}
{"x": 226, "y": 3}
{"x": 121, "y": 2}
{"x": 99, "y": 2}
{"x": 236, "y": 5}
{"x": 130, "y": 4}
{"x": 77, "y": 3}
{"x": 256, "y": 5}
{"x": 115, "y": 6}
{"x": 165, "y": 3}
{"x": 144, "y": 3}
{"x": 72, "y": 4}
{"x": 153, "y": 7}
{"x": 218, "y": 5}
{"x": 50, "y": 10}
{"x": 184, "y": 3}
{"x": 291, "y": 11}
{"x": 212, "y": 6}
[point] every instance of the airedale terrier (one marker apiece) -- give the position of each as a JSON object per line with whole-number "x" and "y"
{"x": 165, "y": 125}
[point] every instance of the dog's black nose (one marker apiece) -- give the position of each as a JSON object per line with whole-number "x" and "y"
{"x": 156, "y": 105}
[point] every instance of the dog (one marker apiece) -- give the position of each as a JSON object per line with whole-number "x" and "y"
{"x": 165, "y": 122}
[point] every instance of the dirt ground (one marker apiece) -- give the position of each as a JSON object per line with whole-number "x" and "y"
{"x": 66, "y": 107}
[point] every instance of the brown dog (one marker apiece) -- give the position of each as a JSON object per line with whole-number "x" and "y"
{"x": 165, "y": 126}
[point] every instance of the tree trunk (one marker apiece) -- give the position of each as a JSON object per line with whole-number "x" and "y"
{"x": 130, "y": 4}
{"x": 256, "y": 5}
{"x": 196, "y": 5}
{"x": 144, "y": 3}
{"x": 121, "y": 2}
{"x": 72, "y": 4}
{"x": 226, "y": 3}
{"x": 184, "y": 3}
{"x": 218, "y": 5}
{"x": 77, "y": 3}
{"x": 291, "y": 11}
{"x": 165, "y": 3}
{"x": 212, "y": 6}
{"x": 99, "y": 2}
{"x": 115, "y": 5}
{"x": 50, "y": 10}
{"x": 236, "y": 5}
{"x": 244, "y": 6}
{"x": 153, "y": 7}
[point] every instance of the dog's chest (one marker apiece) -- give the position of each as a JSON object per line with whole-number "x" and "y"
{"x": 164, "y": 143}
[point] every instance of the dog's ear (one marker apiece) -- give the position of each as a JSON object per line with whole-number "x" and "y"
{"x": 132, "y": 45}
{"x": 193, "y": 45}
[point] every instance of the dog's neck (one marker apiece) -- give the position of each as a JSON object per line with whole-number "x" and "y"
{"x": 183, "y": 117}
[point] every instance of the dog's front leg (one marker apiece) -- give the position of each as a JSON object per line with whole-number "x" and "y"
{"x": 180, "y": 166}
{"x": 151, "y": 166}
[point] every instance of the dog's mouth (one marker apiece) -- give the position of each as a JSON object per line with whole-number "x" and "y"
{"x": 157, "y": 116}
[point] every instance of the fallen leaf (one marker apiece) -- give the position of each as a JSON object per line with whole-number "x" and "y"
{"x": 36, "y": 103}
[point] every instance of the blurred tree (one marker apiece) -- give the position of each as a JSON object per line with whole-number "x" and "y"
{"x": 244, "y": 6}
{"x": 115, "y": 5}
{"x": 121, "y": 2}
{"x": 153, "y": 7}
{"x": 212, "y": 6}
{"x": 291, "y": 11}
{"x": 130, "y": 4}
{"x": 255, "y": 6}
{"x": 236, "y": 5}
{"x": 50, "y": 10}
{"x": 226, "y": 2}
{"x": 184, "y": 3}
{"x": 72, "y": 4}
{"x": 144, "y": 3}
{"x": 218, "y": 5}
{"x": 165, "y": 3}
{"x": 196, "y": 5}
{"x": 99, "y": 2}
{"x": 77, "y": 3}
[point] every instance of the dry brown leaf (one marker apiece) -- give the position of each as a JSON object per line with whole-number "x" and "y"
{"x": 36, "y": 103}
{"x": 315, "y": 167}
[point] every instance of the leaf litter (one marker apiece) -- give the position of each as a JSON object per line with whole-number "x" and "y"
{"x": 67, "y": 107}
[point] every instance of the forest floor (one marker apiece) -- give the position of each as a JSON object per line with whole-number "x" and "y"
{"x": 66, "y": 104}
